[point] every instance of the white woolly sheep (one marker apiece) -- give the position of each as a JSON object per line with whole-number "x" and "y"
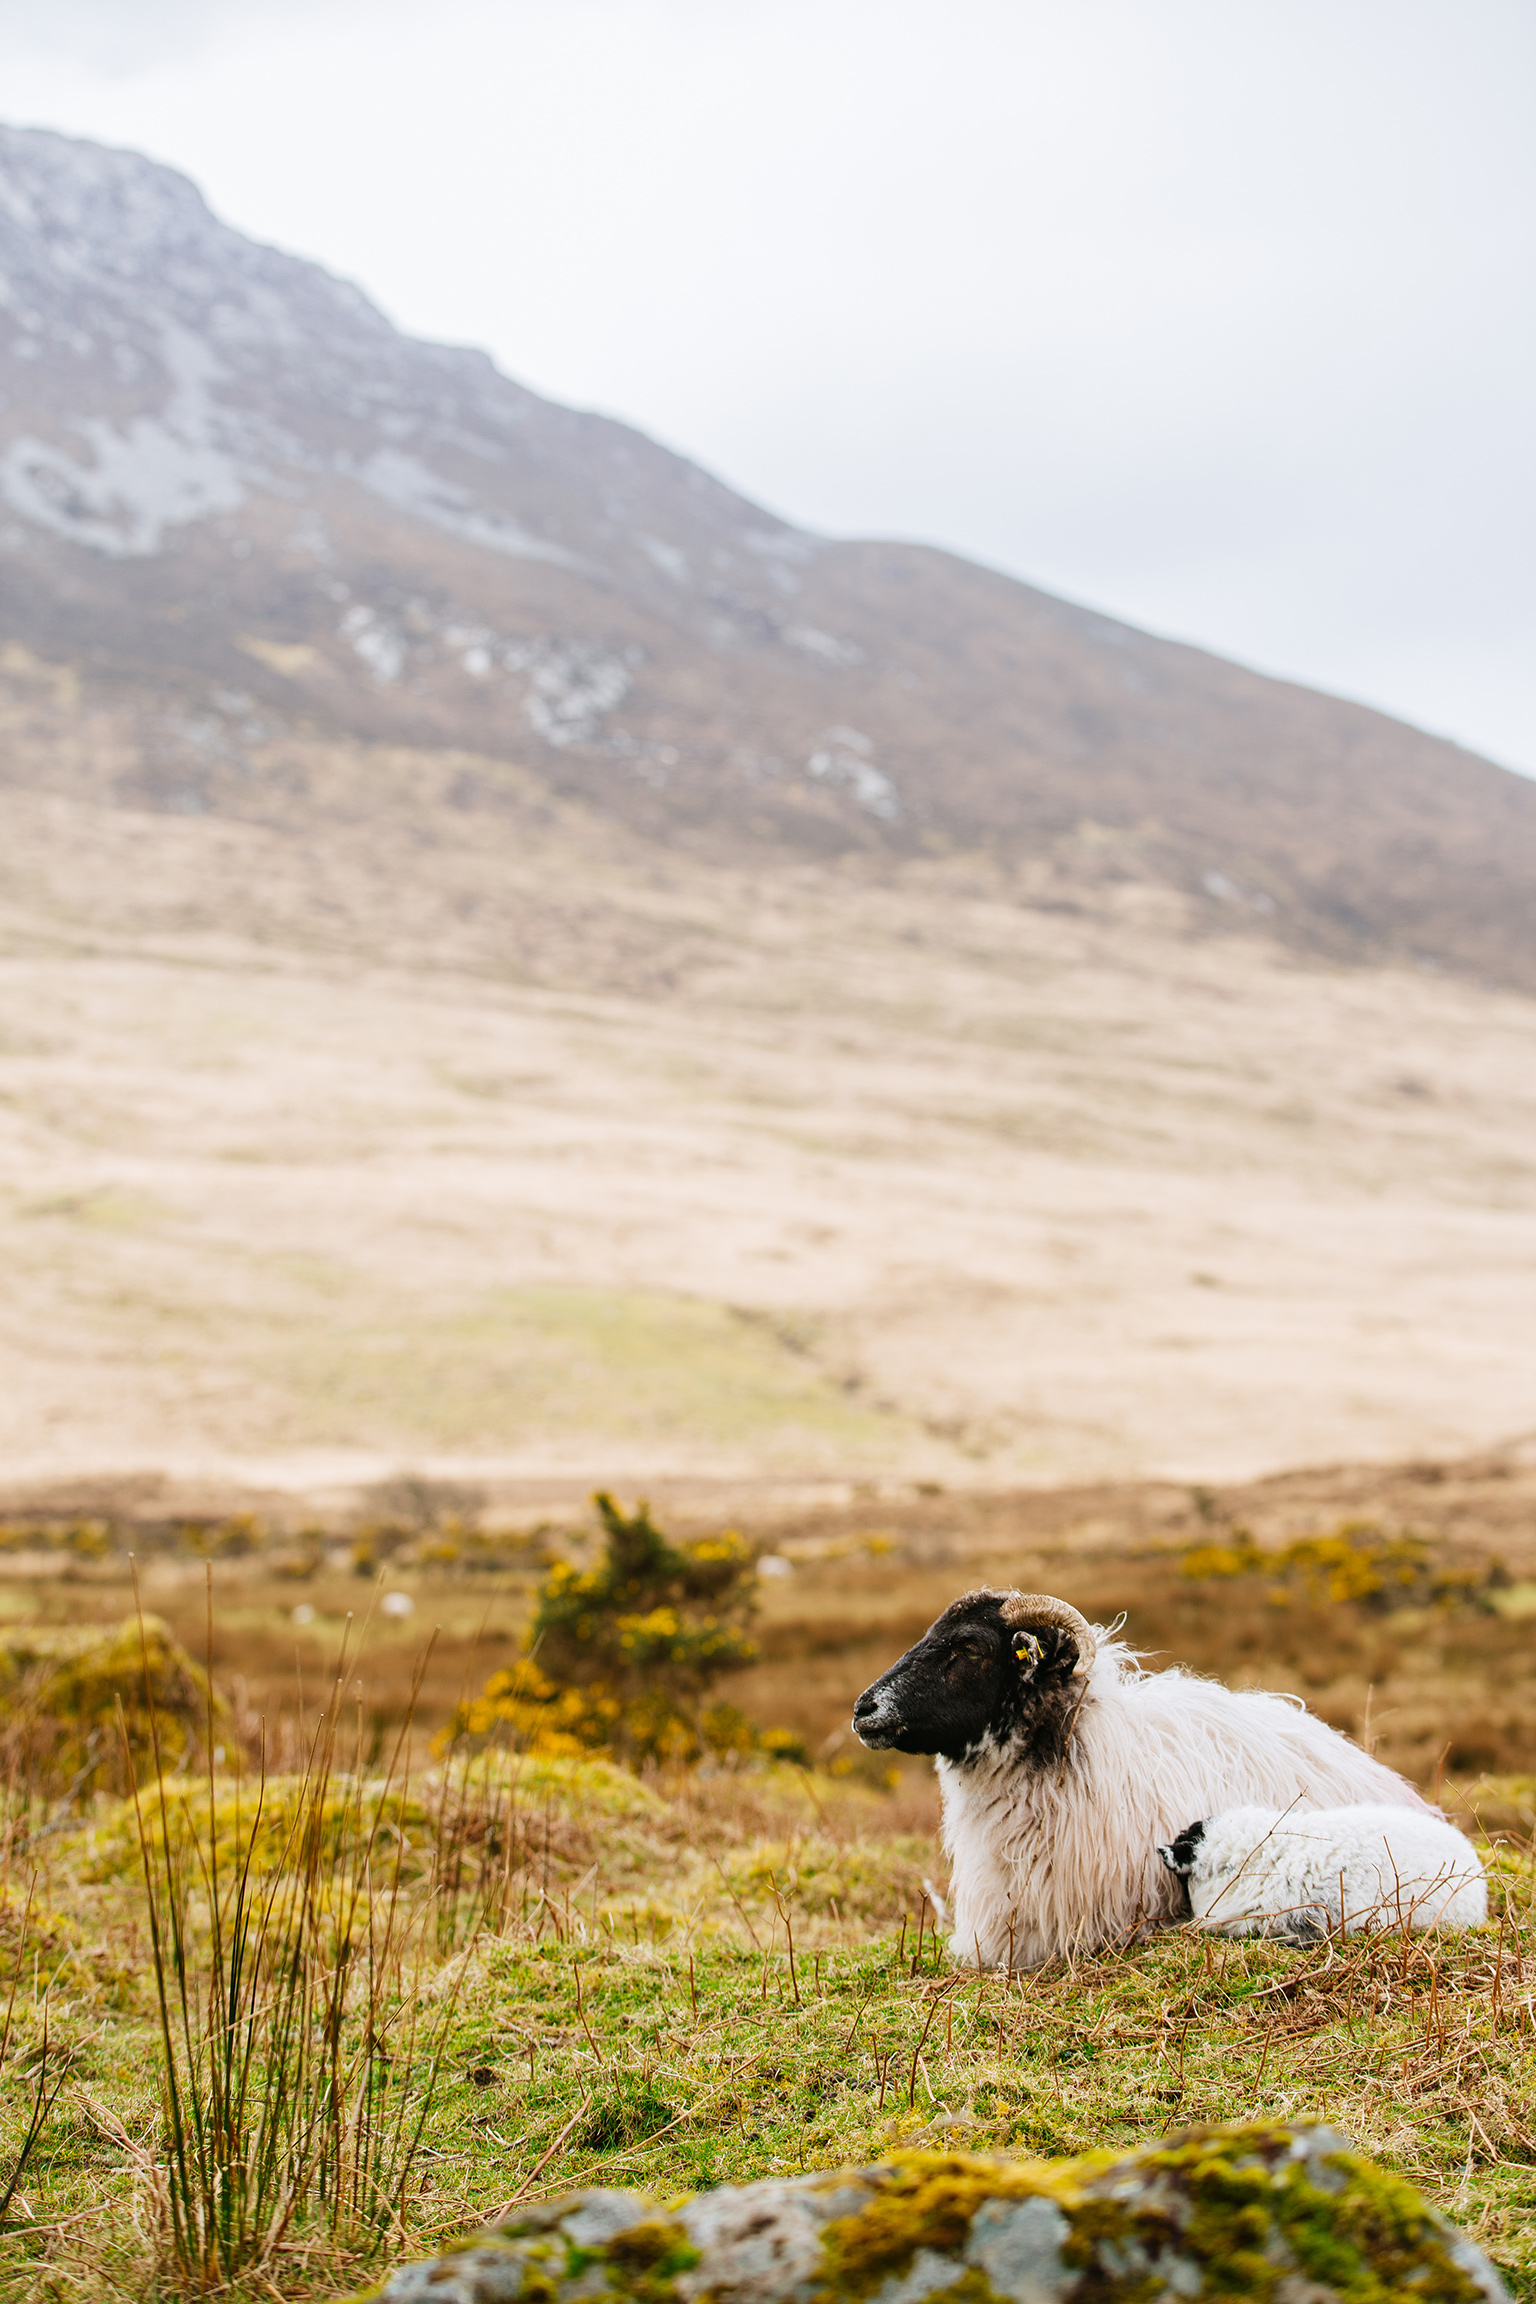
{"x": 1062, "y": 1765}
{"x": 1257, "y": 1872}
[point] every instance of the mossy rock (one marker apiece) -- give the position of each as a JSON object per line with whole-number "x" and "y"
{"x": 1285, "y": 2215}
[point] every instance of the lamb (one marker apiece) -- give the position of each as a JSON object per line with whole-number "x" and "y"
{"x": 1298, "y": 1876}
{"x": 1062, "y": 1765}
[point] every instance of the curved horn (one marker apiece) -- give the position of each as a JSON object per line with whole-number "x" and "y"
{"x": 1023, "y": 1610}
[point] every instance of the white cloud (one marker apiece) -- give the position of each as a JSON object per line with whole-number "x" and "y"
{"x": 124, "y": 36}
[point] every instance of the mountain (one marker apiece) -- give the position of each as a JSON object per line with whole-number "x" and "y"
{"x": 239, "y": 507}
{"x": 515, "y": 963}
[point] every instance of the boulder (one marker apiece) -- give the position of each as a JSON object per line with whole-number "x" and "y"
{"x": 1291, "y": 2215}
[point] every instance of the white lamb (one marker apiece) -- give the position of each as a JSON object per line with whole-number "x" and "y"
{"x": 1063, "y": 1765}
{"x": 1262, "y": 1872}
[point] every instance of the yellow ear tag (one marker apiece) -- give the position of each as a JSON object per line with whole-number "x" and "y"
{"x": 1025, "y": 1648}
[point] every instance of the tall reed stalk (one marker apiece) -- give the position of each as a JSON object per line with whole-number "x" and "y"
{"x": 48, "y": 2073}
{"x": 299, "y": 2054}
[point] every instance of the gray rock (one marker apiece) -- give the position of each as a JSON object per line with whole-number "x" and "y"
{"x": 1314, "y": 2147}
{"x": 925, "y": 2276}
{"x": 1181, "y": 2277}
{"x": 485, "y": 2275}
{"x": 1017, "y": 2243}
{"x": 760, "y": 2241}
{"x": 595, "y": 2281}
{"x": 1013, "y": 2223}
{"x": 602, "y": 2216}
{"x": 1468, "y": 2258}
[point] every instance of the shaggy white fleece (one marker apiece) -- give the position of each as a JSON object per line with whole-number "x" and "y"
{"x": 1258, "y": 1873}
{"x": 1055, "y": 1860}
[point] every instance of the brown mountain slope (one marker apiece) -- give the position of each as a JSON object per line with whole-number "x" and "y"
{"x": 251, "y": 518}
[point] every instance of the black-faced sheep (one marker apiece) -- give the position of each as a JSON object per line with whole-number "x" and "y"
{"x": 1255, "y": 1872}
{"x": 1062, "y": 1766}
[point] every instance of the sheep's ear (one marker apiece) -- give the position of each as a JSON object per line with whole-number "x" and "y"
{"x": 1026, "y": 1652}
{"x": 1029, "y": 1651}
{"x": 1170, "y": 1857}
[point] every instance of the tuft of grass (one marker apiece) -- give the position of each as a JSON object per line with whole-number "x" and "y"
{"x": 295, "y": 2070}
{"x": 38, "y": 2087}
{"x": 631, "y": 2110}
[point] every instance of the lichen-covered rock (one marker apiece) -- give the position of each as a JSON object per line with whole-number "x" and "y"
{"x": 1283, "y": 2215}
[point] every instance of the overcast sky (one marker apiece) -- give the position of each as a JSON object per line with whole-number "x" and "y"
{"x": 1217, "y": 314}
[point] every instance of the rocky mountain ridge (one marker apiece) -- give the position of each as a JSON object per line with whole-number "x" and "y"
{"x": 240, "y": 508}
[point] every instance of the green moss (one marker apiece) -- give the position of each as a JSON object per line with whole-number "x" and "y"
{"x": 1255, "y": 2213}
{"x": 1232, "y": 2201}
{"x": 648, "y": 2258}
{"x": 926, "y": 2200}
{"x": 70, "y": 1694}
{"x": 657, "y": 2246}
{"x": 539, "y": 2286}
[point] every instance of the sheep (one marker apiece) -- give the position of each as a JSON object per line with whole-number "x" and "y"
{"x": 1298, "y": 1876}
{"x": 1062, "y": 1765}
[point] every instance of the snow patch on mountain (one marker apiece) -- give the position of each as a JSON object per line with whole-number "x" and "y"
{"x": 1228, "y": 891}
{"x": 413, "y": 487}
{"x": 845, "y": 756}
{"x": 377, "y": 643}
{"x": 574, "y": 683}
{"x": 825, "y": 647}
{"x": 790, "y": 544}
{"x": 157, "y": 472}
{"x": 667, "y": 557}
{"x": 781, "y": 550}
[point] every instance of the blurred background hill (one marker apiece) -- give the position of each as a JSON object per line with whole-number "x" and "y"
{"x": 517, "y": 959}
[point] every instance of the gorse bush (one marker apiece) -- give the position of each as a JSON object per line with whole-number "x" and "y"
{"x": 76, "y": 1539}
{"x": 81, "y": 1709}
{"x": 651, "y": 1613}
{"x": 621, "y": 1656}
{"x": 1355, "y": 1562}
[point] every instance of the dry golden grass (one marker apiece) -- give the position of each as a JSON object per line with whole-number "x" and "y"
{"x": 1450, "y": 1689}
{"x": 544, "y": 1154}
{"x": 1430, "y": 1688}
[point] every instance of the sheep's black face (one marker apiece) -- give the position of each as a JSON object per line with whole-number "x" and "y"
{"x": 967, "y": 1679}
{"x": 1181, "y": 1854}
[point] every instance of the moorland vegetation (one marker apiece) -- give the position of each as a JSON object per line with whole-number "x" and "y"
{"x": 298, "y": 1978}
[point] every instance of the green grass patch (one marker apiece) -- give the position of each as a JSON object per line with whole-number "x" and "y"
{"x": 554, "y": 1363}
{"x": 694, "y": 1980}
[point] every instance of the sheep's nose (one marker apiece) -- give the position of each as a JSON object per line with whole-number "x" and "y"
{"x": 865, "y": 1705}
